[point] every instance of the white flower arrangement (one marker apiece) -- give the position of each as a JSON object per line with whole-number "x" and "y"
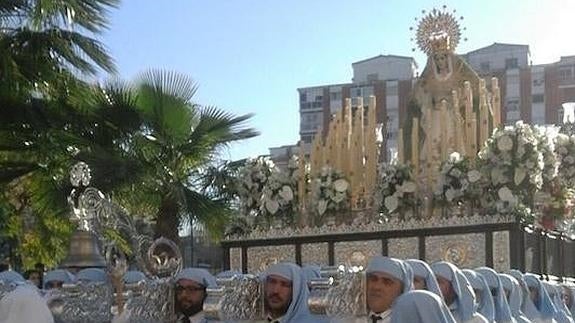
{"x": 329, "y": 192}
{"x": 457, "y": 182}
{"x": 512, "y": 166}
{"x": 267, "y": 192}
{"x": 396, "y": 190}
{"x": 252, "y": 179}
{"x": 565, "y": 151}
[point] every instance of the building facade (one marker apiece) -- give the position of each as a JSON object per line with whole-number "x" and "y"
{"x": 532, "y": 93}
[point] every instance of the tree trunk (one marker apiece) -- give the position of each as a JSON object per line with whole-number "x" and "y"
{"x": 167, "y": 221}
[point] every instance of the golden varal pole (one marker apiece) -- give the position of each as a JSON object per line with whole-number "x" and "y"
{"x": 347, "y": 139}
{"x": 316, "y": 157}
{"x": 301, "y": 186}
{"x": 496, "y": 102}
{"x": 360, "y": 171}
{"x": 483, "y": 114}
{"x": 370, "y": 147}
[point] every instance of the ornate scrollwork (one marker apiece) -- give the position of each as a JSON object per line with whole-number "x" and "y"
{"x": 239, "y": 298}
{"x": 164, "y": 258}
{"x": 151, "y": 301}
{"x": 82, "y": 302}
{"x": 339, "y": 293}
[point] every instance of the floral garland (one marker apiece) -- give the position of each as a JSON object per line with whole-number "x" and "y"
{"x": 329, "y": 193}
{"x": 565, "y": 150}
{"x": 512, "y": 166}
{"x": 458, "y": 181}
{"x": 252, "y": 178}
{"x": 396, "y": 191}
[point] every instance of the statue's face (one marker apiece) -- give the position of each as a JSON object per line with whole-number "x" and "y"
{"x": 441, "y": 62}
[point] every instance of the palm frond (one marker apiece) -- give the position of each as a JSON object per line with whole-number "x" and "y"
{"x": 213, "y": 214}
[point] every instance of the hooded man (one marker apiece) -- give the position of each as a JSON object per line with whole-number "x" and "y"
{"x": 54, "y": 279}
{"x": 24, "y": 304}
{"x": 545, "y": 310}
{"x": 527, "y": 306}
{"x": 514, "y": 297}
{"x": 423, "y": 276}
{"x": 421, "y": 306}
{"x": 386, "y": 279}
{"x": 191, "y": 284}
{"x": 502, "y": 311}
{"x": 457, "y": 293}
{"x": 562, "y": 314}
{"x": 483, "y": 296}
{"x": 285, "y": 295}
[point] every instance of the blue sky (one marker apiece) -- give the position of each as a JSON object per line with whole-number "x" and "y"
{"x": 250, "y": 56}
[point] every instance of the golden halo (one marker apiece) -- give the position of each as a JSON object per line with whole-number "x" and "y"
{"x": 438, "y": 31}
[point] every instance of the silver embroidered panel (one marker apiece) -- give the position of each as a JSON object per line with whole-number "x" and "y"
{"x": 152, "y": 301}
{"x": 236, "y": 259}
{"x": 259, "y": 258}
{"x": 356, "y": 253}
{"x": 403, "y": 248}
{"x": 463, "y": 250}
{"x": 315, "y": 254}
{"x": 239, "y": 298}
{"x": 83, "y": 302}
{"x": 501, "y": 251}
{"x": 342, "y": 296}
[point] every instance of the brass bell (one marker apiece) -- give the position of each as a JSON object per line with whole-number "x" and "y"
{"x": 83, "y": 252}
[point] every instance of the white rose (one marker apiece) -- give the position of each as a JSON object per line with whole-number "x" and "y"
{"x": 562, "y": 139}
{"x": 341, "y": 185}
{"x": 322, "y": 206}
{"x": 519, "y": 175}
{"x": 473, "y": 176}
{"x": 391, "y": 203}
{"x": 505, "y": 194}
{"x": 272, "y": 206}
{"x": 286, "y": 193}
{"x": 454, "y": 157}
{"x": 569, "y": 159}
{"x": 505, "y": 143}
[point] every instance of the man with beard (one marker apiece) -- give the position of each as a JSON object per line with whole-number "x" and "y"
{"x": 191, "y": 284}
{"x": 285, "y": 295}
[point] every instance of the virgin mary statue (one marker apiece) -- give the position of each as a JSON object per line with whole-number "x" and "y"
{"x": 442, "y": 106}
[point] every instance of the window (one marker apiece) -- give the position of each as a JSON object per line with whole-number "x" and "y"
{"x": 565, "y": 73}
{"x": 307, "y": 139}
{"x": 537, "y": 98}
{"x": 372, "y": 77}
{"x": 511, "y": 63}
{"x": 334, "y": 96}
{"x": 302, "y": 97}
{"x": 355, "y": 92}
{"x": 484, "y": 67}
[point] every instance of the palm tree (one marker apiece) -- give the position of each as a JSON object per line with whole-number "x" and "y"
{"x": 175, "y": 152}
{"x": 46, "y": 44}
{"x": 148, "y": 145}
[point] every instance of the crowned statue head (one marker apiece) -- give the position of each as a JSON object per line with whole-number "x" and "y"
{"x": 438, "y": 34}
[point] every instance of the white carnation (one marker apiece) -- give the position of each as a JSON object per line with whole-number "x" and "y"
{"x": 341, "y": 185}
{"x": 505, "y": 143}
